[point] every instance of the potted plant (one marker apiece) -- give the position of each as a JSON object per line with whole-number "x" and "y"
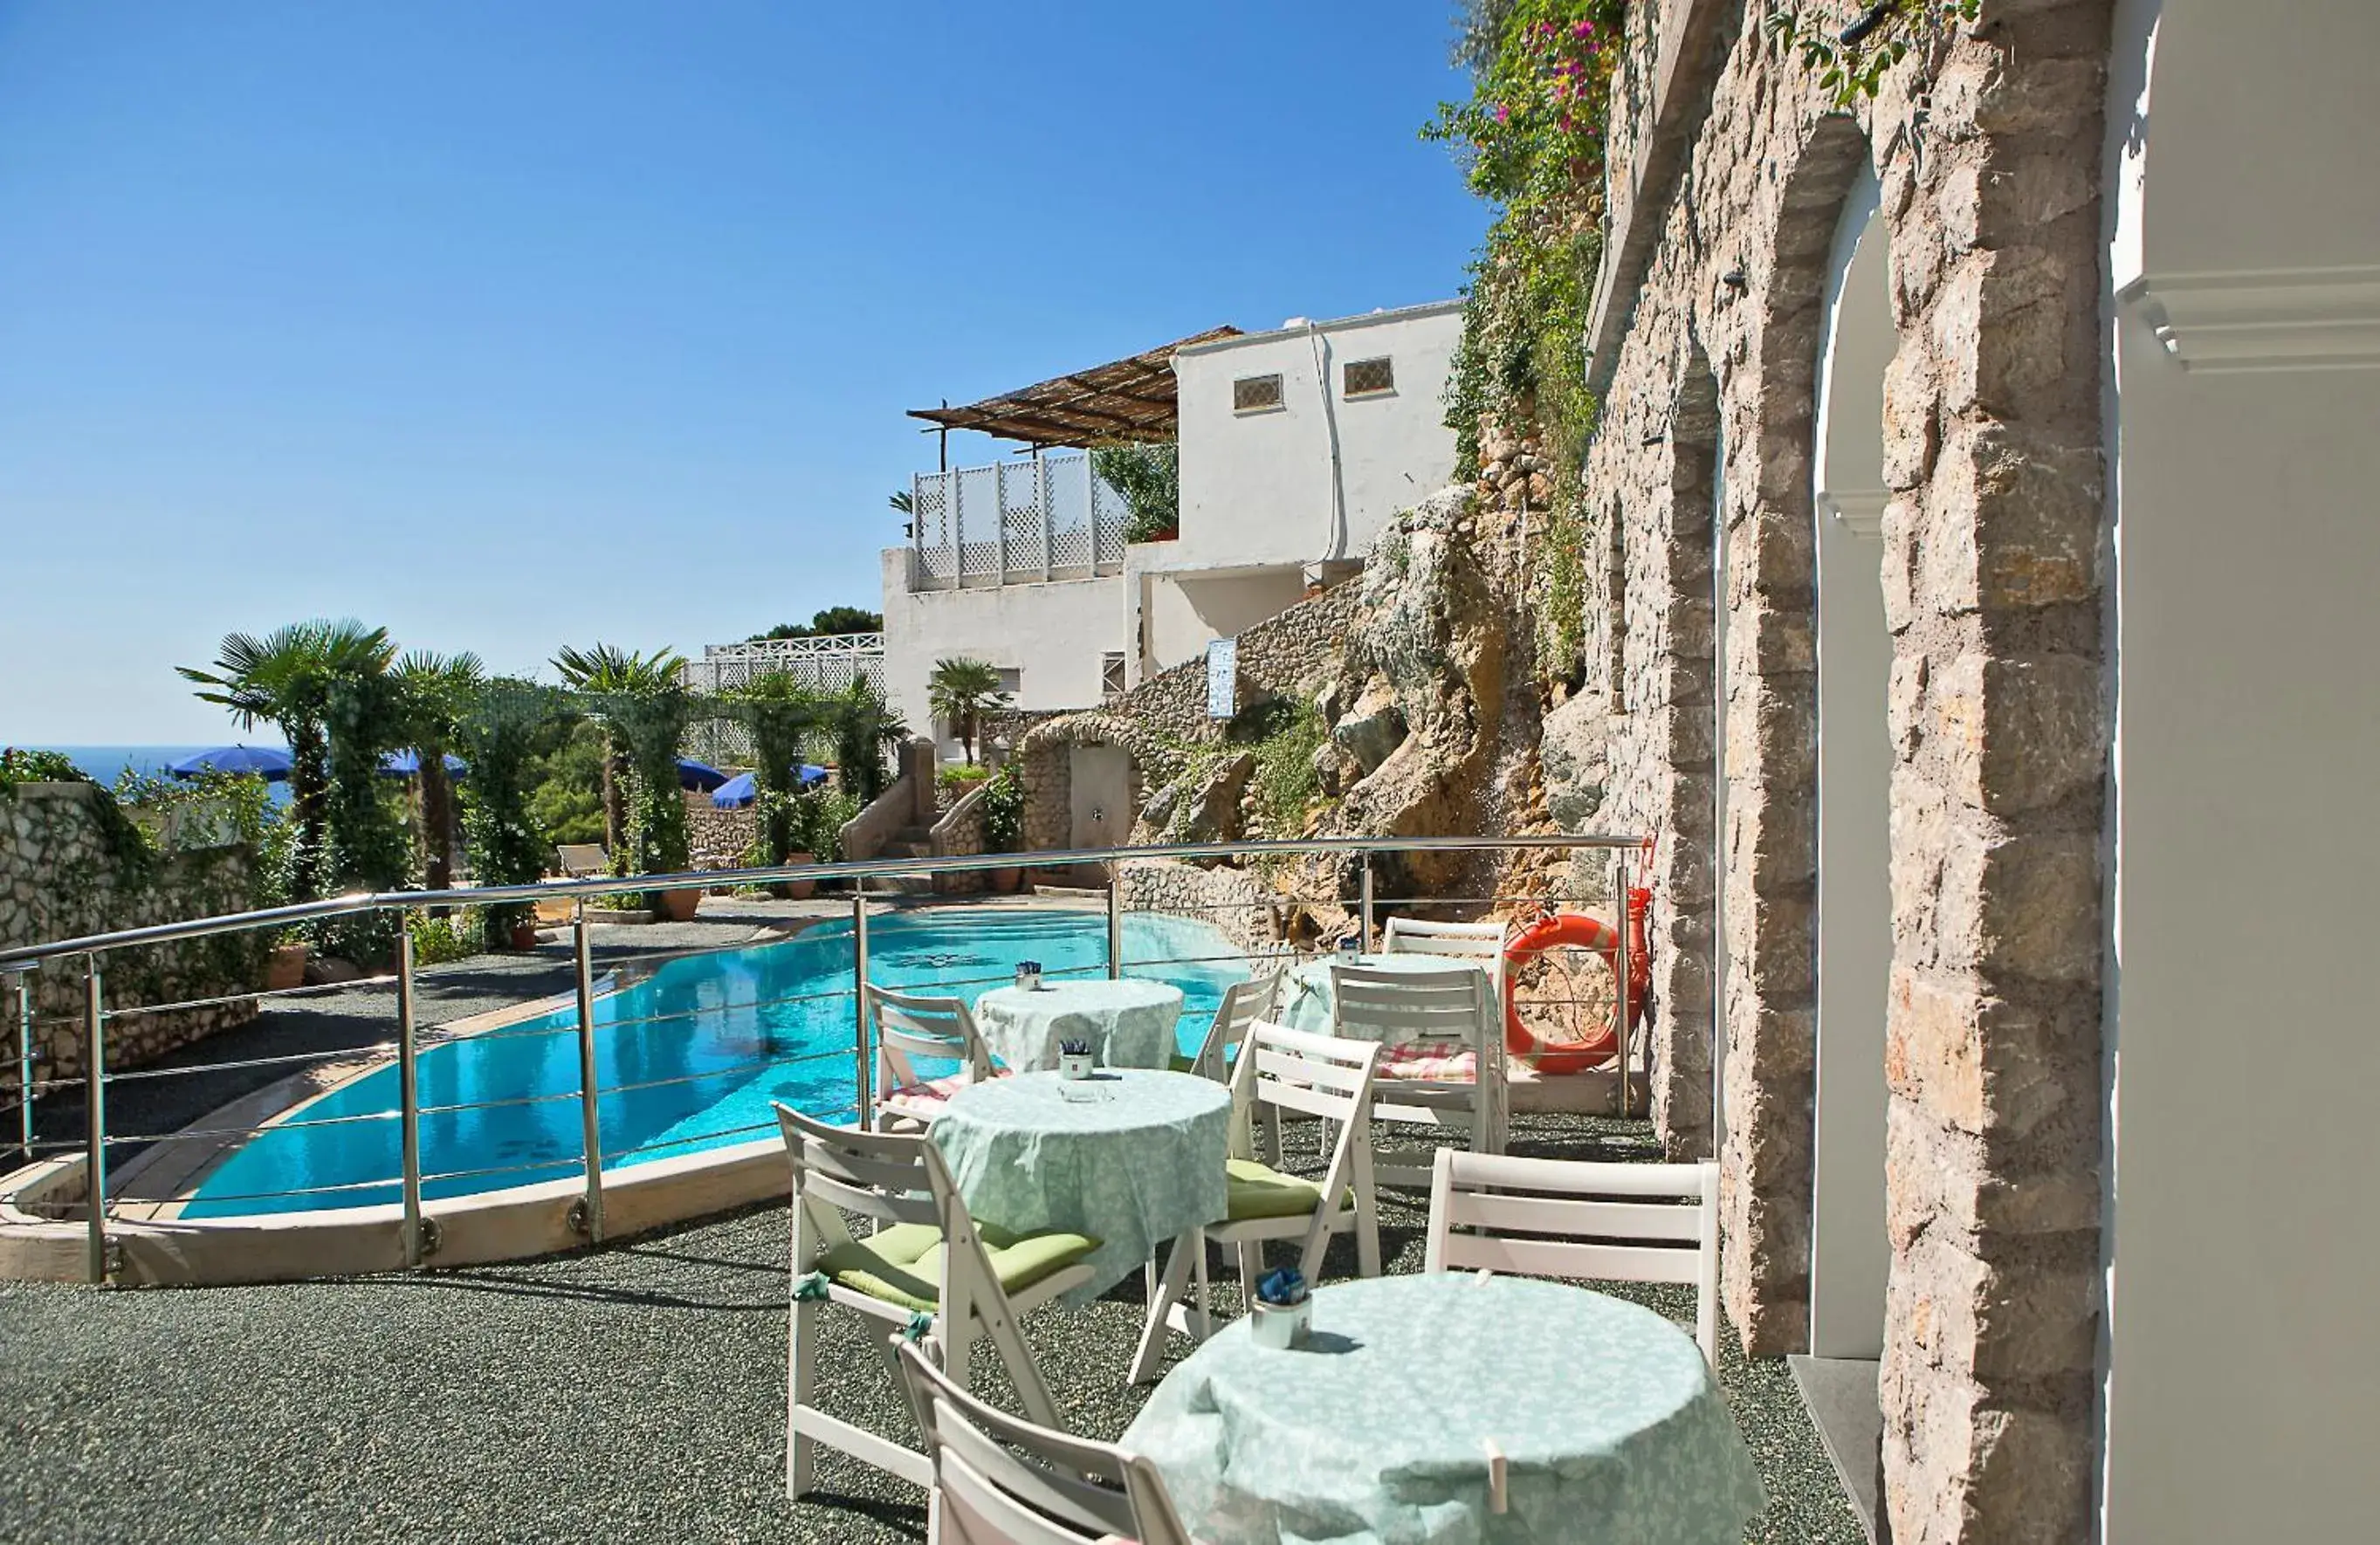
{"x": 1003, "y": 826}
{"x": 523, "y": 934}
{"x": 284, "y": 967}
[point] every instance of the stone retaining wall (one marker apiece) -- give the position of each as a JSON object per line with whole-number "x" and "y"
{"x": 1730, "y": 164}
{"x": 59, "y": 879}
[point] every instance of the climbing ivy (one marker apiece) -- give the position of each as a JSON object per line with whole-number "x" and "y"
{"x": 1531, "y": 141}
{"x": 1852, "y": 60}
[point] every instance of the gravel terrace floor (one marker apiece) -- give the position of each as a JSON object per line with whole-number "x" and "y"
{"x": 635, "y": 1392}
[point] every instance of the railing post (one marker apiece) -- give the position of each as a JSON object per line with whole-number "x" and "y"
{"x": 1115, "y": 921}
{"x": 863, "y": 1064}
{"x": 591, "y": 1104}
{"x": 409, "y": 1094}
{"x": 1364, "y": 934}
{"x": 94, "y": 1071}
{"x": 1620, "y": 963}
{"x": 22, "y": 978}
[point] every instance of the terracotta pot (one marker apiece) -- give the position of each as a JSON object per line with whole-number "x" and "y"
{"x": 525, "y": 933}
{"x": 1003, "y": 881}
{"x": 679, "y": 906}
{"x": 798, "y": 891}
{"x": 285, "y": 968}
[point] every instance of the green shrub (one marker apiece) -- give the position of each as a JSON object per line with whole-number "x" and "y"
{"x": 437, "y": 940}
{"x": 1003, "y": 812}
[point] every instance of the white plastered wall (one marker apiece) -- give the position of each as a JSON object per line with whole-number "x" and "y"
{"x": 1053, "y": 635}
{"x": 2243, "y": 1369}
{"x": 1184, "y": 612}
{"x": 1257, "y": 488}
{"x": 1850, "y": 1257}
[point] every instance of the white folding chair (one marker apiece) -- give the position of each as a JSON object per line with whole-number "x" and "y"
{"x": 977, "y": 1281}
{"x": 1293, "y": 1071}
{"x": 1563, "y": 1218}
{"x": 1243, "y": 1004}
{"x": 909, "y": 1026}
{"x": 1466, "y": 941}
{"x": 1441, "y": 1055}
{"x": 999, "y": 1480}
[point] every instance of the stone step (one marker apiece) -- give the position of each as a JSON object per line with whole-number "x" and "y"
{"x": 907, "y": 848}
{"x": 898, "y": 885}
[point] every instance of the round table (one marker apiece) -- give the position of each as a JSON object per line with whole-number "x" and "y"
{"x": 1128, "y": 1156}
{"x": 1306, "y": 992}
{"x": 1376, "y": 1429}
{"x": 1129, "y": 1022}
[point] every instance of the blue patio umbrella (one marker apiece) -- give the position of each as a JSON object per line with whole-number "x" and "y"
{"x": 405, "y": 764}
{"x": 697, "y": 774}
{"x": 741, "y": 790}
{"x": 263, "y": 762}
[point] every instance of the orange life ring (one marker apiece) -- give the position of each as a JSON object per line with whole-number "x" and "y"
{"x": 1580, "y": 931}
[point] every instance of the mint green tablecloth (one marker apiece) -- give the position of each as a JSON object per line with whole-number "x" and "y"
{"x": 1130, "y": 1157}
{"x": 1305, "y": 993}
{"x": 1612, "y": 1430}
{"x": 1129, "y": 1023}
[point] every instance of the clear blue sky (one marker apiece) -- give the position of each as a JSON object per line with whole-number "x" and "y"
{"x": 514, "y": 325}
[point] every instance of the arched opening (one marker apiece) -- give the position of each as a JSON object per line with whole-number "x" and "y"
{"x": 1850, "y": 1254}
{"x": 2245, "y": 269}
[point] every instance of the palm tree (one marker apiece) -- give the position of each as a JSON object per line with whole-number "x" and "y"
{"x": 960, "y": 692}
{"x": 286, "y": 678}
{"x": 606, "y": 671}
{"x": 434, "y": 693}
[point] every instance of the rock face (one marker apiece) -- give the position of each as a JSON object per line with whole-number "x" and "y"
{"x": 1373, "y": 728}
{"x": 1201, "y": 807}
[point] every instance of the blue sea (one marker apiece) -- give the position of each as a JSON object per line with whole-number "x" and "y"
{"x": 105, "y": 763}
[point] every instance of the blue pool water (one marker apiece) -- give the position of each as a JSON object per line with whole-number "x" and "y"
{"x": 687, "y": 1058}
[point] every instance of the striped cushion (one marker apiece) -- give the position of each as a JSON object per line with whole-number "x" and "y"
{"x": 925, "y": 1098}
{"x": 1428, "y": 1060}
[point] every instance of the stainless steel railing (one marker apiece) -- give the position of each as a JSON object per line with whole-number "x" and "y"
{"x": 417, "y": 1238}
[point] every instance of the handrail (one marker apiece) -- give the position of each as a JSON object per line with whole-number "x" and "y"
{"x": 363, "y": 901}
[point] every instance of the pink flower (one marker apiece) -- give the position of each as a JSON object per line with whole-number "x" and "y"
{"x": 1583, "y": 30}
{"x": 1502, "y": 113}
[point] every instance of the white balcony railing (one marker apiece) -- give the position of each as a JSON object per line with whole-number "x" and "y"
{"x": 828, "y": 663}
{"x": 1015, "y": 523}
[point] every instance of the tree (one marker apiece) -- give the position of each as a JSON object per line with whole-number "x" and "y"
{"x": 781, "y": 714}
{"x": 1149, "y": 478}
{"x": 287, "y": 679}
{"x": 827, "y": 622}
{"x": 961, "y": 691}
{"x": 498, "y": 733}
{"x": 605, "y": 672}
{"x": 865, "y": 727}
{"x": 434, "y": 693}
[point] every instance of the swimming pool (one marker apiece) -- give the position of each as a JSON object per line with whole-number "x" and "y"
{"x": 687, "y": 1058}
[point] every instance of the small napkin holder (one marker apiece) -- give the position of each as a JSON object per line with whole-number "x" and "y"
{"x": 1282, "y": 1315}
{"x": 1029, "y": 976}
{"x": 1074, "y": 1060}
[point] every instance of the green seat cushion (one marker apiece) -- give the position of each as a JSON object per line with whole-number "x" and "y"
{"x": 1258, "y": 1191}
{"x": 903, "y": 1264}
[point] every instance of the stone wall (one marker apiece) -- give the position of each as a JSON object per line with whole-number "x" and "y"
{"x": 1985, "y": 147}
{"x": 959, "y": 834}
{"x": 1288, "y": 656}
{"x": 718, "y": 839}
{"x": 59, "y": 879}
{"x": 1251, "y": 915}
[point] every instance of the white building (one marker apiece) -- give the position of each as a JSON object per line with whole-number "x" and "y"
{"x": 1296, "y": 446}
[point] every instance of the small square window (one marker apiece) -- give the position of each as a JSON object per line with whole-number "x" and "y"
{"x": 1255, "y": 393}
{"x": 1371, "y": 378}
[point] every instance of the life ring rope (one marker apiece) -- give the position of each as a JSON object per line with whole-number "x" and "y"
{"x": 1557, "y": 930}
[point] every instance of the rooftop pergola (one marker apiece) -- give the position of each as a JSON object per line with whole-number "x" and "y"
{"x": 1124, "y": 400}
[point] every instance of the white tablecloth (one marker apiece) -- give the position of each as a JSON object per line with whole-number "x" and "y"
{"x": 1129, "y": 1023}
{"x": 1612, "y": 1429}
{"x": 1130, "y": 1157}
